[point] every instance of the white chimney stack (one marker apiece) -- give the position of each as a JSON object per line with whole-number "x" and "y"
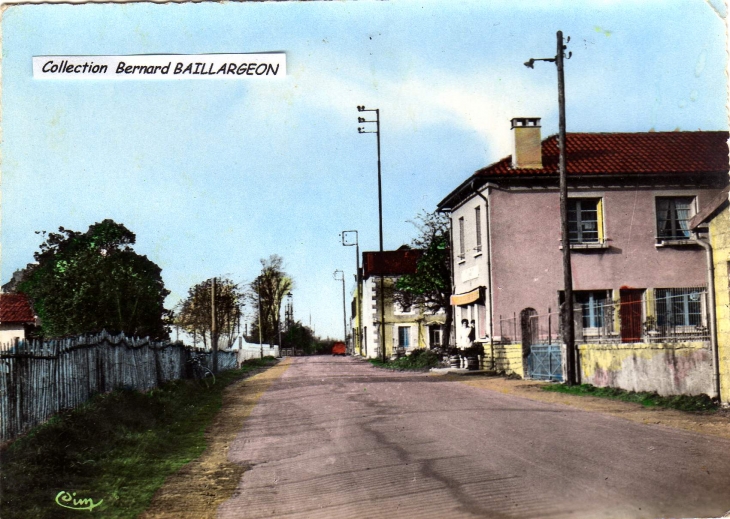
{"x": 527, "y": 153}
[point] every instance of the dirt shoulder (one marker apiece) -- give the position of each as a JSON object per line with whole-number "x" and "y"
{"x": 197, "y": 489}
{"x": 714, "y": 424}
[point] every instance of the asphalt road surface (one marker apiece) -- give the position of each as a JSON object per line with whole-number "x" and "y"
{"x": 336, "y": 437}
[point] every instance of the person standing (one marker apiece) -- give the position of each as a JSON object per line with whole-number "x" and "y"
{"x": 463, "y": 341}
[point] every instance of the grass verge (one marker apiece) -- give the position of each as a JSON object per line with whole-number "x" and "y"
{"x": 681, "y": 402}
{"x": 118, "y": 447}
{"x": 418, "y": 360}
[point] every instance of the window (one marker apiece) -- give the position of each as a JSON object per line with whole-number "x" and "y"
{"x": 593, "y": 304}
{"x": 435, "y": 336}
{"x": 404, "y": 336}
{"x": 478, "y": 219}
{"x": 482, "y": 321}
{"x": 679, "y": 306}
{"x": 585, "y": 220}
{"x": 462, "y": 253}
{"x": 673, "y": 215}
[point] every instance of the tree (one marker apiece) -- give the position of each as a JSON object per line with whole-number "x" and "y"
{"x": 300, "y": 337}
{"x": 85, "y": 282}
{"x": 267, "y": 292}
{"x": 194, "y": 313}
{"x": 430, "y": 286}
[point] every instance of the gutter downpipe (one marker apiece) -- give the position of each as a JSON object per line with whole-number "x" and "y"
{"x": 489, "y": 264}
{"x": 711, "y": 303}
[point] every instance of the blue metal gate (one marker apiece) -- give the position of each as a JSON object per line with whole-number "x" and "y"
{"x": 544, "y": 362}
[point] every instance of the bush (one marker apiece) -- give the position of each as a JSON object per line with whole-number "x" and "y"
{"x": 419, "y": 359}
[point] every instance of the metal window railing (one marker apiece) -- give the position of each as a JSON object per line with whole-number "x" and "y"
{"x": 660, "y": 316}
{"x": 537, "y": 329}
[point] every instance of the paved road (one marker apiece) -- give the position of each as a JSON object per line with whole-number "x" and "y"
{"x": 335, "y": 437}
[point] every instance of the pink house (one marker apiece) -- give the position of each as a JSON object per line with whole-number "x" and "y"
{"x": 638, "y": 273}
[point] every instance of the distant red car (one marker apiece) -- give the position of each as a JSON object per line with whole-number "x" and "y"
{"x": 339, "y": 348}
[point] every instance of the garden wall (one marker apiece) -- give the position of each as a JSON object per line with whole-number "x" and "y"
{"x": 667, "y": 368}
{"x": 504, "y": 357}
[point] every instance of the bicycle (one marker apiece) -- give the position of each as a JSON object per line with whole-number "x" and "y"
{"x": 202, "y": 373}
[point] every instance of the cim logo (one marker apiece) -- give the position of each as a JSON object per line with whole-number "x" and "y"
{"x": 68, "y": 500}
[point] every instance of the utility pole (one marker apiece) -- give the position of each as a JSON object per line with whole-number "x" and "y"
{"x": 567, "y": 308}
{"x": 344, "y": 311}
{"x": 380, "y": 217}
{"x": 213, "y": 328}
{"x": 261, "y": 341}
{"x": 278, "y": 326}
{"x": 289, "y": 312}
{"x": 358, "y": 341}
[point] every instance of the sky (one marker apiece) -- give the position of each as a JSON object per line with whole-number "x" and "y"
{"x": 214, "y": 175}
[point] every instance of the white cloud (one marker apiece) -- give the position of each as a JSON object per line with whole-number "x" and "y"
{"x": 481, "y": 101}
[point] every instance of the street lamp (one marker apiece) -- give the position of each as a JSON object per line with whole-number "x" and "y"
{"x": 346, "y": 241}
{"x": 344, "y": 312}
{"x": 288, "y": 322}
{"x": 361, "y": 129}
{"x": 567, "y": 313}
{"x": 289, "y": 312}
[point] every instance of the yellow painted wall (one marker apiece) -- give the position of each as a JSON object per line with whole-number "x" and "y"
{"x": 507, "y": 358}
{"x": 356, "y": 323}
{"x": 611, "y": 357}
{"x": 419, "y": 333}
{"x": 669, "y": 369}
{"x": 720, "y": 240}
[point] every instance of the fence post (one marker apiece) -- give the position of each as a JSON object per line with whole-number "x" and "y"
{"x": 550, "y": 326}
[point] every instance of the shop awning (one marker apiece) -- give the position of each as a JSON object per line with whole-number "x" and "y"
{"x": 467, "y": 297}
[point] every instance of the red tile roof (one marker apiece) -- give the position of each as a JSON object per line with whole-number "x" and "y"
{"x": 390, "y": 262}
{"x": 628, "y": 153}
{"x": 15, "y": 308}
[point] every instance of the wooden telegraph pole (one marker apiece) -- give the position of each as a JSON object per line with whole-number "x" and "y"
{"x": 213, "y": 329}
{"x": 567, "y": 308}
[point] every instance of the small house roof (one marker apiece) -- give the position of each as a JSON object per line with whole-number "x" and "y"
{"x": 390, "y": 262}
{"x": 15, "y": 308}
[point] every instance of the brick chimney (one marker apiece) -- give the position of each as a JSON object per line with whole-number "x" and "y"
{"x": 528, "y": 148}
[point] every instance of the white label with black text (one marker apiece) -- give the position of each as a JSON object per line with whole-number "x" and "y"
{"x": 162, "y": 66}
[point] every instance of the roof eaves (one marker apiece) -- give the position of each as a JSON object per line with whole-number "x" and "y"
{"x": 711, "y": 209}
{"x": 459, "y": 195}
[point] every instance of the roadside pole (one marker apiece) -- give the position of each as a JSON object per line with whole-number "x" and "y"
{"x": 566, "y": 311}
{"x": 213, "y": 329}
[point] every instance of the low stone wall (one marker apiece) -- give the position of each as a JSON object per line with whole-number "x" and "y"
{"x": 504, "y": 357}
{"x": 669, "y": 369}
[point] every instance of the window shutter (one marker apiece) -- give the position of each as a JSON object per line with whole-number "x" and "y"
{"x": 599, "y": 212}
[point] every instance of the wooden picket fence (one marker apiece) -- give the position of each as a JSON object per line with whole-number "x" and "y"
{"x": 40, "y": 378}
